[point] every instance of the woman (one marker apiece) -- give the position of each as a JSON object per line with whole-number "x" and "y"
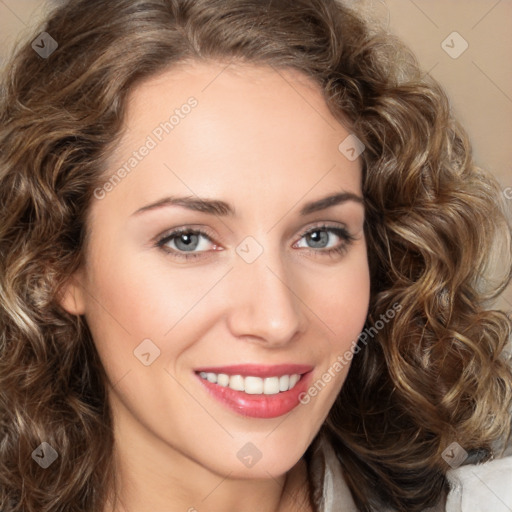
{"x": 245, "y": 254}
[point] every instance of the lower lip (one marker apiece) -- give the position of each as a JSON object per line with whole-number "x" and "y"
{"x": 258, "y": 406}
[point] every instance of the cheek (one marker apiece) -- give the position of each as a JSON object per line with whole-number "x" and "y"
{"x": 341, "y": 304}
{"x": 148, "y": 296}
{"x": 133, "y": 299}
{"x": 342, "y": 300}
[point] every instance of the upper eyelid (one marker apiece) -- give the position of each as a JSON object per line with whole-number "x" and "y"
{"x": 325, "y": 226}
{"x": 174, "y": 233}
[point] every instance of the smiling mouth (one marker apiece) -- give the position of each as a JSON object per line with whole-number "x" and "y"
{"x": 258, "y": 391}
{"x": 253, "y": 385}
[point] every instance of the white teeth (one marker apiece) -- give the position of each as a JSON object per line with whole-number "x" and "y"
{"x": 294, "y": 379}
{"x": 284, "y": 383}
{"x": 253, "y": 385}
{"x": 223, "y": 379}
{"x": 236, "y": 382}
{"x": 271, "y": 386}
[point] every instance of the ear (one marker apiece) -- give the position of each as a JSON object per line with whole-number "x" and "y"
{"x": 71, "y": 295}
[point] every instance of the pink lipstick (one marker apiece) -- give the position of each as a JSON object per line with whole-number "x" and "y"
{"x": 258, "y": 391}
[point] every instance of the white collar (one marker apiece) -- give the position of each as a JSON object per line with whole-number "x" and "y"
{"x": 328, "y": 476}
{"x": 484, "y": 487}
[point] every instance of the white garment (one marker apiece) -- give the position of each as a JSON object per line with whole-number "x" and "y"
{"x": 483, "y": 487}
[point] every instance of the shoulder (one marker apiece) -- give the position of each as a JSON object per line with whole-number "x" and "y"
{"x": 484, "y": 487}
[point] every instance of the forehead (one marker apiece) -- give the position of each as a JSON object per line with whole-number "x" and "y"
{"x": 245, "y": 98}
{"x": 250, "y": 126}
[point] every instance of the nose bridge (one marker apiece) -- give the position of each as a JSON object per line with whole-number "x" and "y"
{"x": 263, "y": 304}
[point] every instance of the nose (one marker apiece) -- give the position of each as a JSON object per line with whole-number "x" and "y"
{"x": 264, "y": 308}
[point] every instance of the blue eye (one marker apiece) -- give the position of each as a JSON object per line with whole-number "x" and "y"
{"x": 187, "y": 241}
{"x": 320, "y": 237}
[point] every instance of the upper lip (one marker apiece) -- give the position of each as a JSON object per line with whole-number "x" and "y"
{"x": 258, "y": 370}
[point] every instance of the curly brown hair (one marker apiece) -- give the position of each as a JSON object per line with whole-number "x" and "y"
{"x": 434, "y": 375}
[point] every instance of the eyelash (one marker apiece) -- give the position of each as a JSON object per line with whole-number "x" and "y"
{"x": 338, "y": 231}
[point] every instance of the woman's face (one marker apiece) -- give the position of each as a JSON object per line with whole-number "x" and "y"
{"x": 276, "y": 282}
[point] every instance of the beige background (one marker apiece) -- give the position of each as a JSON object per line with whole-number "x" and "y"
{"x": 478, "y": 82}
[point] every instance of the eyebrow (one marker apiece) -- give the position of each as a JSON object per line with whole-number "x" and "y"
{"x": 223, "y": 209}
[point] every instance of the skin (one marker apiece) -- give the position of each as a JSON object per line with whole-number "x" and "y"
{"x": 264, "y": 142}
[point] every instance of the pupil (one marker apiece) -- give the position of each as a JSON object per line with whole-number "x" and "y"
{"x": 318, "y": 237}
{"x": 186, "y": 240}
